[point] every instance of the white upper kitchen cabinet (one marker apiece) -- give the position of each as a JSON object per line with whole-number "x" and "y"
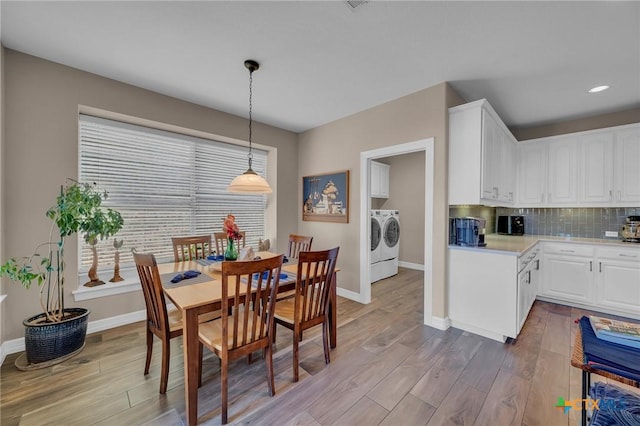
{"x": 532, "y": 173}
{"x": 595, "y": 168}
{"x": 482, "y": 156}
{"x": 627, "y": 165}
{"x": 563, "y": 172}
{"x": 596, "y": 176}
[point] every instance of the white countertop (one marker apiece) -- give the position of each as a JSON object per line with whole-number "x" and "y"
{"x": 516, "y": 245}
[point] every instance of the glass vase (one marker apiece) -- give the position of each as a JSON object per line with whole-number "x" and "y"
{"x": 231, "y": 253}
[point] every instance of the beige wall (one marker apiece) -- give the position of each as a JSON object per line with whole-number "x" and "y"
{"x": 41, "y": 151}
{"x": 580, "y": 125}
{"x": 337, "y": 146}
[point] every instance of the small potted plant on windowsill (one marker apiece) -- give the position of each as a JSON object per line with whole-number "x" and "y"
{"x": 58, "y": 333}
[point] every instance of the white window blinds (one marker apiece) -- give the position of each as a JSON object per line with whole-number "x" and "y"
{"x": 164, "y": 184}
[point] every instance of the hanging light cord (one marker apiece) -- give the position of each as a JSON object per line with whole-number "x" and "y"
{"x": 250, "y": 155}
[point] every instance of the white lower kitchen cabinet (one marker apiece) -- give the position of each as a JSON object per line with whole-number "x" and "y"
{"x": 568, "y": 278}
{"x": 618, "y": 280}
{"x": 601, "y": 278}
{"x": 483, "y": 292}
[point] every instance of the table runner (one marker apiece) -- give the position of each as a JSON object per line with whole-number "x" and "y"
{"x": 607, "y": 356}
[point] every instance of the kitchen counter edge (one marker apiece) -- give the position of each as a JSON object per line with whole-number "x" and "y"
{"x": 518, "y": 245}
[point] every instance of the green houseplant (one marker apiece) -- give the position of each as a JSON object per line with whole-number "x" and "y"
{"x": 78, "y": 209}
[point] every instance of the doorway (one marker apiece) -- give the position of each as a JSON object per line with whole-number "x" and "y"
{"x": 425, "y": 145}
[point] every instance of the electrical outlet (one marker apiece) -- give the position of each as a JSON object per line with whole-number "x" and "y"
{"x": 610, "y": 233}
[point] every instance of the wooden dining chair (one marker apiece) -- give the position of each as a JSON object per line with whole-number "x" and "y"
{"x": 248, "y": 300}
{"x": 308, "y": 308}
{"x": 191, "y": 248}
{"x": 298, "y": 243}
{"x": 160, "y": 322}
{"x": 221, "y": 241}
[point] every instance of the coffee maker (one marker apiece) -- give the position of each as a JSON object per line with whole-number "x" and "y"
{"x": 467, "y": 231}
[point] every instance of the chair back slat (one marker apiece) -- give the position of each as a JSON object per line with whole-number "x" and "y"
{"x": 151, "y": 284}
{"x": 315, "y": 272}
{"x": 252, "y": 303}
{"x": 191, "y": 248}
{"x": 298, "y": 243}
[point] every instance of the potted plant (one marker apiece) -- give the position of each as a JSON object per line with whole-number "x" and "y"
{"x": 58, "y": 332}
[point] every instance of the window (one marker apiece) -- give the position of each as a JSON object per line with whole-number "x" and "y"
{"x": 164, "y": 184}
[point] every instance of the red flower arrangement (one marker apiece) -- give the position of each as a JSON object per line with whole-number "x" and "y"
{"x": 229, "y": 226}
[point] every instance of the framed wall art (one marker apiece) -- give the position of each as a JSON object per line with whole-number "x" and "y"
{"x": 325, "y": 198}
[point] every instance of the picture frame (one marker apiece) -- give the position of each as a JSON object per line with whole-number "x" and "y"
{"x": 325, "y": 197}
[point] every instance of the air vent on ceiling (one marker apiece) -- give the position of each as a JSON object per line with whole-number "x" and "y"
{"x": 353, "y": 4}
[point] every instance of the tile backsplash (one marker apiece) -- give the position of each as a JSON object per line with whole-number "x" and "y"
{"x": 565, "y": 222}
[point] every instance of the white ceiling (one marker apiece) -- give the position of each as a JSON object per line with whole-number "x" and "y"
{"x": 320, "y": 61}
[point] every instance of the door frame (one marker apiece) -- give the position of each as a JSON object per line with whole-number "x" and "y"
{"x": 426, "y": 145}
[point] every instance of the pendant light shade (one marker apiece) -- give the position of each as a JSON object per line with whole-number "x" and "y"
{"x": 250, "y": 182}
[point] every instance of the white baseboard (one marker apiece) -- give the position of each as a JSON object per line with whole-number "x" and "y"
{"x": 409, "y": 265}
{"x": 438, "y": 322}
{"x": 480, "y": 331}
{"x": 351, "y": 295}
{"x": 17, "y": 345}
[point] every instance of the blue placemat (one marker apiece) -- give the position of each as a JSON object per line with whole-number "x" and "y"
{"x": 166, "y": 280}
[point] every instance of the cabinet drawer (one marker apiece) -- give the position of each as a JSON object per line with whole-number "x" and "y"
{"x": 569, "y": 249}
{"x": 614, "y": 253}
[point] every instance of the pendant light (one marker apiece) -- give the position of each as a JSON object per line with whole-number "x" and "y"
{"x": 250, "y": 182}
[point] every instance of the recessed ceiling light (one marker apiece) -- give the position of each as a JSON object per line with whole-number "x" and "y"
{"x": 598, "y": 89}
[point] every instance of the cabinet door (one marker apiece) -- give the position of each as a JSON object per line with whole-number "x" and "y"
{"x": 490, "y": 162}
{"x": 375, "y": 179}
{"x": 563, "y": 171}
{"x": 532, "y": 176}
{"x": 507, "y": 168}
{"x": 596, "y": 183}
{"x": 384, "y": 180}
{"x": 568, "y": 278}
{"x": 523, "y": 299}
{"x": 627, "y": 165}
{"x": 618, "y": 285}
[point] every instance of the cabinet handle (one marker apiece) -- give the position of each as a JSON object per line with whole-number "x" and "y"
{"x": 633, "y": 256}
{"x": 529, "y": 278}
{"x": 537, "y": 264}
{"x": 610, "y": 195}
{"x": 600, "y": 266}
{"x": 619, "y": 195}
{"x": 591, "y": 266}
{"x": 567, "y": 251}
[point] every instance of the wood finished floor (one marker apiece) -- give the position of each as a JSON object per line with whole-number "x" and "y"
{"x": 388, "y": 369}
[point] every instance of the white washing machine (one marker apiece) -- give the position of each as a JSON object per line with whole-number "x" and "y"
{"x": 389, "y": 247}
{"x": 376, "y": 235}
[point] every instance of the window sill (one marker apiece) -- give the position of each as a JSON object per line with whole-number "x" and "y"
{"x": 130, "y": 284}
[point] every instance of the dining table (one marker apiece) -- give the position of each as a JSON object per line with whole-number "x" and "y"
{"x": 205, "y": 295}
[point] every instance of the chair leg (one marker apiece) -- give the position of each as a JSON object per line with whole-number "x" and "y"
{"x": 164, "y": 375}
{"x": 201, "y": 351}
{"x": 295, "y": 356}
{"x": 325, "y": 341}
{"x": 269, "y": 364}
{"x": 224, "y": 394}
{"x": 149, "y": 351}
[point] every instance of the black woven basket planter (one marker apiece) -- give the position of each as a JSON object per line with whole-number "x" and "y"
{"x": 49, "y": 341}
